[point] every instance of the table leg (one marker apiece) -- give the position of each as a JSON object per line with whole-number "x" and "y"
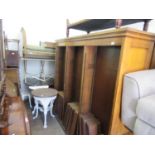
{"x": 51, "y": 109}
{"x": 30, "y": 101}
{"x": 45, "y": 116}
{"x": 35, "y": 109}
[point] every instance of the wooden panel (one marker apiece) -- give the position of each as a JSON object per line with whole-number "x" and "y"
{"x": 107, "y": 38}
{"x": 104, "y": 84}
{"x": 138, "y": 55}
{"x": 94, "y": 42}
{"x": 69, "y": 71}
{"x": 87, "y": 78}
{"x": 77, "y": 76}
{"x": 152, "y": 66}
{"x": 60, "y": 68}
{"x": 135, "y": 55}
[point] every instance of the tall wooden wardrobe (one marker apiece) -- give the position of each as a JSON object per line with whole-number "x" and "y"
{"x": 90, "y": 71}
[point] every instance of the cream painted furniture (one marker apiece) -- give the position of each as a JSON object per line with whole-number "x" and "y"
{"x": 138, "y": 102}
{"x": 45, "y": 98}
{"x": 38, "y": 87}
{"x": 24, "y": 93}
{"x": 30, "y": 53}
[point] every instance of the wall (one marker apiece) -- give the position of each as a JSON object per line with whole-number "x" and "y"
{"x": 46, "y": 30}
{"x": 37, "y": 30}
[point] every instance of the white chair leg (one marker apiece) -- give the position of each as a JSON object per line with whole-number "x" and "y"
{"x": 45, "y": 117}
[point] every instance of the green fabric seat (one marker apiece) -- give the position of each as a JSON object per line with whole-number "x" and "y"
{"x": 39, "y": 48}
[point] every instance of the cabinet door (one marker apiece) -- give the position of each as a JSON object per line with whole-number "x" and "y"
{"x": 12, "y": 59}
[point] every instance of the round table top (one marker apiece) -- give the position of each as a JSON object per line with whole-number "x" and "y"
{"x": 45, "y": 92}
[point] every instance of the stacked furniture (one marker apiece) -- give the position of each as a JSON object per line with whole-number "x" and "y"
{"x": 38, "y": 58}
{"x": 89, "y": 25}
{"x": 44, "y": 54}
{"x": 31, "y": 51}
{"x": 90, "y": 71}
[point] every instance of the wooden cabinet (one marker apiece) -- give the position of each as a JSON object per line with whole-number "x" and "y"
{"x": 90, "y": 71}
{"x": 11, "y": 53}
{"x": 12, "y": 58}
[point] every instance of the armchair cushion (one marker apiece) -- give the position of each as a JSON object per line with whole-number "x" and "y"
{"x": 137, "y": 85}
{"x": 146, "y": 110}
{"x": 142, "y": 128}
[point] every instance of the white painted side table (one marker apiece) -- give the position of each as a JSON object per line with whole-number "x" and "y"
{"x": 46, "y": 98}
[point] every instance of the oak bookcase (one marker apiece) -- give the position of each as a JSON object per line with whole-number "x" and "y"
{"x": 90, "y": 71}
